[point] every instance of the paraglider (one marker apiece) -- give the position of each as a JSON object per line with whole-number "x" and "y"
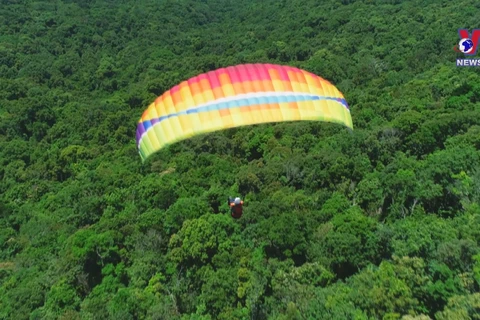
{"x": 236, "y": 207}
{"x": 238, "y": 96}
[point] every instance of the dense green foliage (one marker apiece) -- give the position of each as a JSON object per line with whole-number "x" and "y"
{"x": 379, "y": 223}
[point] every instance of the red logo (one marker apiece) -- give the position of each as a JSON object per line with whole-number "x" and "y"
{"x": 468, "y": 42}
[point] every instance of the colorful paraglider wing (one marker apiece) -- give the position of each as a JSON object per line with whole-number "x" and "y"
{"x": 238, "y": 96}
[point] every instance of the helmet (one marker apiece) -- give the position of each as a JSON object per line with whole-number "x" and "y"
{"x": 237, "y": 200}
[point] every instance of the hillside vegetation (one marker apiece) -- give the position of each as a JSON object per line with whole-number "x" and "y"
{"x": 382, "y": 222}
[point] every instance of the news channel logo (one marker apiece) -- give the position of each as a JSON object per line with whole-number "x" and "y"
{"x": 468, "y": 45}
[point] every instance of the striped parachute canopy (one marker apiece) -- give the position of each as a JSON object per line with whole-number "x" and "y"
{"x": 238, "y": 96}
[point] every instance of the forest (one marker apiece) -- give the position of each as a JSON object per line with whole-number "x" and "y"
{"x": 378, "y": 222}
